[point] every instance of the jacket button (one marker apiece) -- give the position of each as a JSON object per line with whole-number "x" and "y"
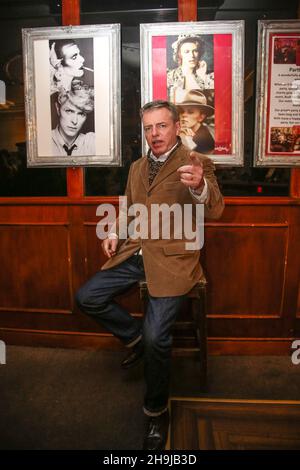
{"x": 149, "y": 193}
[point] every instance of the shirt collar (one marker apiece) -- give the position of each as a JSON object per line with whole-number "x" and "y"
{"x": 61, "y": 141}
{"x": 162, "y": 158}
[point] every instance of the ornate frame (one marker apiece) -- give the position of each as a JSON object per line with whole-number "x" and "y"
{"x": 277, "y": 136}
{"x": 226, "y": 43}
{"x": 101, "y": 44}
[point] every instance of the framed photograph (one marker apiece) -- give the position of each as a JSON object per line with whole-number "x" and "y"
{"x": 277, "y": 141}
{"x": 72, "y": 95}
{"x": 199, "y": 66}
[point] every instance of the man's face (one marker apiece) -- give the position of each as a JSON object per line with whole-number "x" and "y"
{"x": 189, "y": 55}
{"x": 71, "y": 120}
{"x": 73, "y": 61}
{"x": 160, "y": 130}
{"x": 191, "y": 116}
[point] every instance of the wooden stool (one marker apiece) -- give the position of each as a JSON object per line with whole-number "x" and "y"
{"x": 198, "y": 309}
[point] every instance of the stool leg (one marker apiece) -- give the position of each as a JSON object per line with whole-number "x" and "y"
{"x": 201, "y": 333}
{"x": 144, "y": 298}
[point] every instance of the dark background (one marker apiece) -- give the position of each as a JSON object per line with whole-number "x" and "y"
{"x": 17, "y": 180}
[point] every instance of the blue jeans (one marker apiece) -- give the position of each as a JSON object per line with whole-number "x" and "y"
{"x": 96, "y": 299}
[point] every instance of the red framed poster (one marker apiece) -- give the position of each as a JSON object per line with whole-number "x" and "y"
{"x": 199, "y": 67}
{"x": 278, "y": 94}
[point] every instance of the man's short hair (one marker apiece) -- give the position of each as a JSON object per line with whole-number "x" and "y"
{"x": 81, "y": 96}
{"x": 59, "y": 45}
{"x": 158, "y": 104}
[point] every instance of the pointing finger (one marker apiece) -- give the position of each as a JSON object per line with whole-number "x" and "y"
{"x": 195, "y": 160}
{"x": 185, "y": 169}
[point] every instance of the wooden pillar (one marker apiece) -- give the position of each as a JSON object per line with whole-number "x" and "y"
{"x": 187, "y": 10}
{"x": 295, "y": 183}
{"x": 75, "y": 176}
{"x": 70, "y": 12}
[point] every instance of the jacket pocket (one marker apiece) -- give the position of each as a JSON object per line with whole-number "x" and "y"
{"x": 172, "y": 186}
{"x": 177, "y": 249}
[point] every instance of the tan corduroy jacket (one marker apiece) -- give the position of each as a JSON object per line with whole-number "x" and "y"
{"x": 170, "y": 268}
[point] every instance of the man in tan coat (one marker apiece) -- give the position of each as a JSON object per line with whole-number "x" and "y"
{"x": 158, "y": 250}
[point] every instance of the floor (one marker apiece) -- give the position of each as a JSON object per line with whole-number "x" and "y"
{"x": 74, "y": 399}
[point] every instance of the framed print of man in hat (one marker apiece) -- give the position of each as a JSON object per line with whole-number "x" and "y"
{"x": 196, "y": 122}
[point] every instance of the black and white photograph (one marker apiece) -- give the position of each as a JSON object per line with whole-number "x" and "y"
{"x": 72, "y": 97}
{"x": 79, "y": 69}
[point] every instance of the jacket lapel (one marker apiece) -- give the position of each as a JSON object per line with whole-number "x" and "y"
{"x": 177, "y": 159}
{"x": 144, "y": 173}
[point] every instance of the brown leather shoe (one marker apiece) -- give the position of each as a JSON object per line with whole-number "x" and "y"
{"x": 134, "y": 356}
{"x": 157, "y": 432}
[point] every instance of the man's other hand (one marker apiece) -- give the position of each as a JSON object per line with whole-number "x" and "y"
{"x": 109, "y": 246}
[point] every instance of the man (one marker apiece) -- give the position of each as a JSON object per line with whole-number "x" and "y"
{"x": 193, "y": 112}
{"x": 72, "y": 109}
{"x": 169, "y": 174}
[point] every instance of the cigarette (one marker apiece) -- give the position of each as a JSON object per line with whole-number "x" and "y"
{"x": 87, "y": 68}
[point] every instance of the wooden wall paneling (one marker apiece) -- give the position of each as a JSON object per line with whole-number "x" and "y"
{"x": 35, "y": 272}
{"x": 95, "y": 257}
{"x": 247, "y": 260}
{"x": 38, "y": 244}
{"x": 26, "y": 212}
{"x": 249, "y": 346}
{"x": 35, "y": 259}
{"x": 238, "y": 322}
{"x": 292, "y": 300}
{"x": 259, "y": 334}
{"x": 78, "y": 248}
{"x": 245, "y": 256}
{"x": 296, "y": 331}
